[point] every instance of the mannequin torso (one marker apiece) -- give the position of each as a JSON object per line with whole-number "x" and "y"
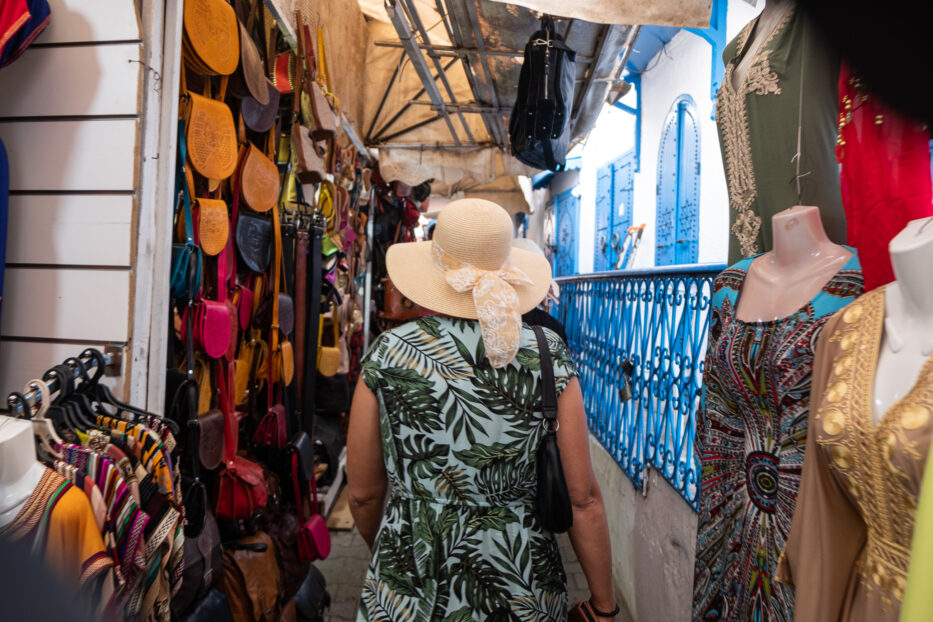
{"x": 770, "y": 16}
{"x": 907, "y": 342}
{"x": 20, "y": 472}
{"x": 786, "y": 278}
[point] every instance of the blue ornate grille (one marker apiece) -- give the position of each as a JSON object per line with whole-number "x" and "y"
{"x": 658, "y": 320}
{"x": 567, "y": 216}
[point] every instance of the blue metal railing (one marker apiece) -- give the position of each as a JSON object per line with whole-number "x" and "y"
{"x": 659, "y": 320}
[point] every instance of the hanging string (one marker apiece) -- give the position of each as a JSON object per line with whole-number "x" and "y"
{"x": 797, "y": 156}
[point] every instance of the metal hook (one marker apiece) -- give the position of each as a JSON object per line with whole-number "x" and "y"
{"x": 157, "y": 77}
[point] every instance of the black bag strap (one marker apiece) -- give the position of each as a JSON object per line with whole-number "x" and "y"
{"x": 313, "y": 317}
{"x": 548, "y": 388}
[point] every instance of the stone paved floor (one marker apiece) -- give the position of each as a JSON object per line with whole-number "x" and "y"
{"x": 345, "y": 570}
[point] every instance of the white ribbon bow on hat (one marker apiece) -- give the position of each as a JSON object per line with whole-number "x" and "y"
{"x": 496, "y": 302}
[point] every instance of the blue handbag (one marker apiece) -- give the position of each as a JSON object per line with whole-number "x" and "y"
{"x": 186, "y": 256}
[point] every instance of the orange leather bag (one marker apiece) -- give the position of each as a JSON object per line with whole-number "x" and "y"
{"x": 213, "y": 224}
{"x": 212, "y": 139}
{"x": 211, "y": 37}
{"x": 259, "y": 176}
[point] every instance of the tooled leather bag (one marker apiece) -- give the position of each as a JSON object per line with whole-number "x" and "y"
{"x": 555, "y": 513}
{"x": 212, "y": 137}
{"x": 213, "y": 225}
{"x": 313, "y": 536}
{"x": 250, "y": 79}
{"x": 211, "y": 326}
{"x": 258, "y": 178}
{"x": 252, "y": 579}
{"x": 254, "y": 241}
{"x": 241, "y": 487}
{"x": 211, "y": 36}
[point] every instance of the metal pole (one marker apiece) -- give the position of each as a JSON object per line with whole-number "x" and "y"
{"x": 417, "y": 60}
{"x": 404, "y": 108}
{"x": 368, "y": 286}
{"x": 484, "y": 61}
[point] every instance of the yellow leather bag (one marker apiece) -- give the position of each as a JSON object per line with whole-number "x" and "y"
{"x": 212, "y": 137}
{"x": 328, "y": 357}
{"x": 212, "y": 36}
{"x": 213, "y": 225}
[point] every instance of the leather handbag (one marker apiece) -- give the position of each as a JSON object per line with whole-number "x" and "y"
{"x": 252, "y": 579}
{"x": 284, "y": 76}
{"x": 203, "y": 566}
{"x": 272, "y": 430}
{"x": 211, "y": 327}
{"x": 284, "y": 531}
{"x": 213, "y": 225}
{"x": 243, "y": 301}
{"x": 328, "y": 363}
{"x": 241, "y": 488}
{"x": 555, "y": 513}
{"x": 211, "y": 438}
{"x": 396, "y": 306}
{"x": 211, "y": 36}
{"x": 261, "y": 117}
{"x": 212, "y": 138}
{"x": 313, "y": 535}
{"x": 308, "y": 162}
{"x": 258, "y": 179}
{"x": 254, "y": 241}
{"x": 212, "y": 608}
{"x": 186, "y": 257}
{"x": 252, "y": 72}
{"x": 325, "y": 118}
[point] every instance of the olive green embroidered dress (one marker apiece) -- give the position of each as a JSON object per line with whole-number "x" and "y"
{"x": 757, "y": 122}
{"x": 460, "y": 539}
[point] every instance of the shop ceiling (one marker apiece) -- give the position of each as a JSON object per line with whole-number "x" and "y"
{"x": 441, "y": 78}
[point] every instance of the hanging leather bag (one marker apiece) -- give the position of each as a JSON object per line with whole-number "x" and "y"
{"x": 250, "y": 79}
{"x": 555, "y": 513}
{"x": 213, "y": 225}
{"x": 313, "y": 535}
{"x": 396, "y": 306}
{"x": 252, "y": 579}
{"x": 211, "y": 133}
{"x": 203, "y": 566}
{"x": 261, "y": 117}
{"x": 258, "y": 175}
{"x": 241, "y": 488}
{"x": 186, "y": 257}
{"x": 211, "y": 36}
{"x": 329, "y": 356}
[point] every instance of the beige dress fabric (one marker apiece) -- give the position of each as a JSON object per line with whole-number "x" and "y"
{"x": 849, "y": 544}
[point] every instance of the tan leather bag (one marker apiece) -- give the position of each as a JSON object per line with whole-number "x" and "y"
{"x": 252, "y": 580}
{"x": 211, "y": 135}
{"x": 251, "y": 66}
{"x": 328, "y": 357}
{"x": 259, "y": 176}
{"x": 212, "y": 36}
{"x": 213, "y": 225}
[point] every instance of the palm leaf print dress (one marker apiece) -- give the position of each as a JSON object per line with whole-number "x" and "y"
{"x": 460, "y": 538}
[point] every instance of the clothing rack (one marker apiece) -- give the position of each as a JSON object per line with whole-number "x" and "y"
{"x": 34, "y": 397}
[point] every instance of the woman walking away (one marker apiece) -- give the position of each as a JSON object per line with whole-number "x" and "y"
{"x": 449, "y": 418}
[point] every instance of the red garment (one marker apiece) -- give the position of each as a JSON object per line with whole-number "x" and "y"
{"x": 13, "y": 14}
{"x": 885, "y": 175}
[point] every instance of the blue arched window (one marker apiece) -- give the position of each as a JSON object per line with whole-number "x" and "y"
{"x": 678, "y": 225}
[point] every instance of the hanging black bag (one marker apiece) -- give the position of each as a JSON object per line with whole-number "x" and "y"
{"x": 539, "y": 125}
{"x": 555, "y": 513}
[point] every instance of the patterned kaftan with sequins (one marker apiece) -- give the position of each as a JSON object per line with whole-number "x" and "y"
{"x": 751, "y": 434}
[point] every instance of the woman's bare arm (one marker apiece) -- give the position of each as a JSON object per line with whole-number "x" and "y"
{"x": 590, "y": 532}
{"x": 366, "y": 472}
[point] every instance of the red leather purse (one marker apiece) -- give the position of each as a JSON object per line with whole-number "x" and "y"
{"x": 313, "y": 535}
{"x": 241, "y": 488}
{"x": 211, "y": 326}
{"x": 273, "y": 429}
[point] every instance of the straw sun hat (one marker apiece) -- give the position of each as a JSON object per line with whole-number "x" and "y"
{"x": 470, "y": 270}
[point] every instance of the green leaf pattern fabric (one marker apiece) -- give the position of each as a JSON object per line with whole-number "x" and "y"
{"x": 460, "y": 538}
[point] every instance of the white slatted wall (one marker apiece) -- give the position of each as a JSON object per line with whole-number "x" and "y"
{"x": 69, "y": 117}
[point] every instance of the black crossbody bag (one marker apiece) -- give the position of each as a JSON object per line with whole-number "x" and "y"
{"x": 555, "y": 513}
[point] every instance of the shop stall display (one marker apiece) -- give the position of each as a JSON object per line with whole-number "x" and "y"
{"x": 776, "y": 114}
{"x": 849, "y": 547}
{"x": 767, "y": 314}
{"x": 266, "y": 278}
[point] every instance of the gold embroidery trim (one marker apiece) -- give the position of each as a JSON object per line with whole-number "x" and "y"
{"x": 861, "y": 452}
{"x": 732, "y": 116}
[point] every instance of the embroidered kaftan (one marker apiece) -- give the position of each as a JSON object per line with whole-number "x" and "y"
{"x": 758, "y": 132}
{"x": 849, "y": 546}
{"x": 460, "y": 538}
{"x": 751, "y": 433}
